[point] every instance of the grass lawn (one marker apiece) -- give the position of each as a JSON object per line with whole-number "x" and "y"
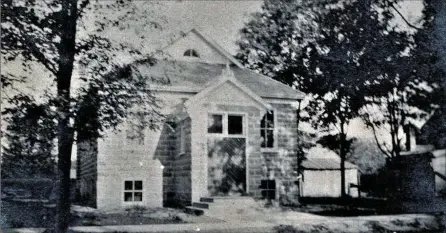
{"x": 31, "y": 214}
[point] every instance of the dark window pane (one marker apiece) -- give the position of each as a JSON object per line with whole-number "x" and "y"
{"x": 215, "y": 124}
{"x": 269, "y": 138}
{"x": 270, "y": 116}
{"x": 235, "y": 124}
{"x": 138, "y": 185}
{"x": 138, "y": 196}
{"x": 267, "y": 120}
{"x": 262, "y": 138}
{"x": 270, "y": 121}
{"x": 128, "y": 185}
{"x": 128, "y": 196}
{"x": 195, "y": 54}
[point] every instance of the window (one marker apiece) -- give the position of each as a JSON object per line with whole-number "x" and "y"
{"x": 182, "y": 140}
{"x": 227, "y": 124}
{"x": 191, "y": 53}
{"x": 133, "y": 191}
{"x": 267, "y": 130}
{"x": 235, "y": 124}
{"x": 215, "y": 123}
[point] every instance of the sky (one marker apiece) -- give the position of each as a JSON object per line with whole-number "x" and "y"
{"x": 222, "y": 20}
{"x": 219, "y": 19}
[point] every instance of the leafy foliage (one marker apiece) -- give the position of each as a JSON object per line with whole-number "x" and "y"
{"x": 406, "y": 93}
{"x": 346, "y": 50}
{"x": 30, "y": 141}
{"x": 68, "y": 39}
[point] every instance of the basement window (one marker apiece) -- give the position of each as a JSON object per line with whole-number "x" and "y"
{"x": 133, "y": 191}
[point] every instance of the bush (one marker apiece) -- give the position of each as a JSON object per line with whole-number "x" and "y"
{"x": 27, "y": 188}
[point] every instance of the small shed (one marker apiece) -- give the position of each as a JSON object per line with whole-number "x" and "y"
{"x": 322, "y": 178}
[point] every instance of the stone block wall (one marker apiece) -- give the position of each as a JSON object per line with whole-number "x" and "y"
{"x": 283, "y": 154}
{"x": 164, "y": 153}
{"x": 86, "y": 171}
{"x": 123, "y": 159}
{"x": 282, "y": 159}
{"x": 181, "y": 165}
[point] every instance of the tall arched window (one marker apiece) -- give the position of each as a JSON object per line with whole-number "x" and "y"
{"x": 191, "y": 53}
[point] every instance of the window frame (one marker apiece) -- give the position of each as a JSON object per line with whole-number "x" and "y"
{"x": 133, "y": 191}
{"x": 182, "y": 149}
{"x": 274, "y": 148}
{"x": 191, "y": 53}
{"x": 225, "y": 131}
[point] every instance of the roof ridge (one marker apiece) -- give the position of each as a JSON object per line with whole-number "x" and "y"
{"x": 281, "y": 83}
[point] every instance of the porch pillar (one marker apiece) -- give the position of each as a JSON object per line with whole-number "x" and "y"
{"x": 199, "y": 171}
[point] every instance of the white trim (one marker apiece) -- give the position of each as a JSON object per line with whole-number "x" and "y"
{"x": 226, "y": 135}
{"x": 217, "y": 47}
{"x": 220, "y": 82}
{"x": 275, "y": 134}
{"x": 143, "y": 191}
{"x": 182, "y": 149}
{"x": 191, "y": 91}
{"x": 225, "y": 124}
{"x": 208, "y": 41}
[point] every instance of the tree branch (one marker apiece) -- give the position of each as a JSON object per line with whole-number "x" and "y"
{"x": 380, "y": 147}
{"x": 82, "y": 6}
{"x": 35, "y": 52}
{"x": 404, "y": 18}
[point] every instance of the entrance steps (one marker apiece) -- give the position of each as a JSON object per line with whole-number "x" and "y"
{"x": 216, "y": 206}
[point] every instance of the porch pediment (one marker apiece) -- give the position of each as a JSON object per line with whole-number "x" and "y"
{"x": 227, "y": 90}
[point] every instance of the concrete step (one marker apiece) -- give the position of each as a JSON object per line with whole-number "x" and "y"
{"x": 218, "y": 205}
{"x": 227, "y": 205}
{"x": 230, "y": 202}
{"x": 207, "y": 199}
{"x": 201, "y": 205}
{"x": 194, "y": 210}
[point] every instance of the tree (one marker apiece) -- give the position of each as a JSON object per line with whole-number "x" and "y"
{"x": 350, "y": 34}
{"x": 273, "y": 41}
{"x": 323, "y": 58}
{"x": 407, "y": 91}
{"x": 275, "y": 37}
{"x": 66, "y": 36}
{"x": 30, "y": 136}
{"x": 434, "y": 132}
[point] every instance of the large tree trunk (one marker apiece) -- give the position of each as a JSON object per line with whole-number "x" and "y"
{"x": 65, "y": 131}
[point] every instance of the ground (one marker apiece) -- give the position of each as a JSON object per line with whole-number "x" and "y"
{"x": 254, "y": 219}
{"x": 41, "y": 214}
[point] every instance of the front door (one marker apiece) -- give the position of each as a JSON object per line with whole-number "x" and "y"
{"x": 226, "y": 166}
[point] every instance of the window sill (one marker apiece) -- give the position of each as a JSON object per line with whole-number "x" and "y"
{"x": 269, "y": 150}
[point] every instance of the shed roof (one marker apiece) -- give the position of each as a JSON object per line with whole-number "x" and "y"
{"x": 325, "y": 164}
{"x": 194, "y": 76}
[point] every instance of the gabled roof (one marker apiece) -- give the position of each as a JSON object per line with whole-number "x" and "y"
{"x": 192, "y": 77}
{"x": 325, "y": 164}
{"x": 211, "y": 43}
